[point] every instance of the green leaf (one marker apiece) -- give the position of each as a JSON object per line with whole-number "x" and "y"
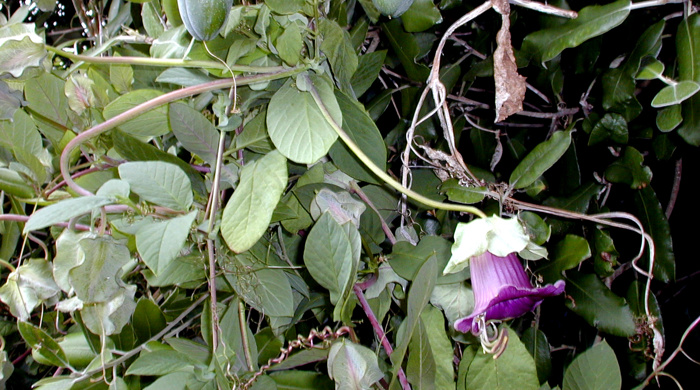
{"x": 43, "y": 343}
{"x": 286, "y": 7}
{"x": 407, "y": 259}
{"x": 462, "y": 194}
{"x": 595, "y": 369}
{"x": 654, "y": 69}
{"x": 63, "y": 211}
{"x": 13, "y": 183}
{"x": 341, "y": 54}
{"x": 540, "y": 159}
{"x": 431, "y": 353}
{"x": 21, "y": 134}
{"x": 172, "y": 381}
{"x": 108, "y": 318}
{"x": 301, "y": 380}
{"x": 45, "y": 95}
{"x": 20, "y": 48}
{"x": 297, "y": 126}
{"x": 79, "y": 90}
{"x": 179, "y": 271}
{"x": 688, "y": 49}
{"x": 160, "y": 242}
{"x": 537, "y": 345}
{"x": 364, "y": 132}
{"x": 675, "y": 94}
{"x": 567, "y": 254}
{"x": 196, "y": 133}
{"x": 148, "y": 320}
{"x": 656, "y": 225}
{"x": 290, "y": 44}
{"x": 266, "y": 289}
{"x": 249, "y": 211}
{"x": 160, "y": 362}
{"x": 149, "y": 124}
{"x": 10, "y": 102}
{"x": 422, "y": 15}
{"x": 134, "y": 150}
{"x": 629, "y": 169}
{"x": 122, "y": 77}
{"x": 592, "y": 21}
{"x": 254, "y": 135}
{"x": 418, "y": 298}
{"x": 368, "y": 68}
{"x": 158, "y": 182}
{"x": 612, "y": 126}
{"x": 97, "y": 278}
{"x": 231, "y": 333}
{"x": 599, "y": 306}
{"x": 456, "y": 300}
{"x": 406, "y": 48}
{"x": 352, "y": 366}
{"x": 669, "y": 118}
{"x": 28, "y": 286}
{"x": 514, "y": 369}
{"x": 329, "y": 257}
{"x": 68, "y": 254}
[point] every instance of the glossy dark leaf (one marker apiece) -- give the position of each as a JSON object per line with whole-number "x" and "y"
{"x": 599, "y": 306}
{"x": 656, "y": 225}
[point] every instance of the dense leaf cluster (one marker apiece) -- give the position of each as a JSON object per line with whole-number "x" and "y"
{"x": 274, "y": 207}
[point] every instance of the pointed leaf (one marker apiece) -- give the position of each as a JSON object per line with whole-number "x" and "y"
{"x": 196, "y": 133}
{"x": 514, "y": 369}
{"x": 149, "y": 124}
{"x": 148, "y": 320}
{"x": 361, "y": 129}
{"x": 418, "y": 298}
{"x": 567, "y": 254}
{"x": 431, "y": 353}
{"x": 675, "y": 94}
{"x": 297, "y": 126}
{"x": 248, "y": 213}
{"x": 160, "y": 363}
{"x": 63, "y": 211}
{"x": 599, "y": 306}
{"x": 540, "y": 159}
{"x": 537, "y": 345}
{"x": 595, "y": 369}
{"x": 592, "y": 21}
{"x": 353, "y": 366}
{"x": 160, "y": 183}
{"x": 43, "y": 343}
{"x": 160, "y": 242}
{"x": 654, "y": 220}
{"x": 97, "y": 279}
{"x": 328, "y": 255}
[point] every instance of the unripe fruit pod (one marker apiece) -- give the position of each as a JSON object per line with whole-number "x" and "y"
{"x": 204, "y": 18}
{"x": 393, "y": 8}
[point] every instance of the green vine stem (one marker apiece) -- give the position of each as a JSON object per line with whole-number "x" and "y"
{"x": 379, "y": 172}
{"x": 164, "y": 62}
{"x": 157, "y": 102}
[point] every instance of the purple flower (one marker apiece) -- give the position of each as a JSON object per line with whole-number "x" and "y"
{"x": 502, "y": 291}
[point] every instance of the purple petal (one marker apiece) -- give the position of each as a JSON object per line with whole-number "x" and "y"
{"x": 502, "y": 290}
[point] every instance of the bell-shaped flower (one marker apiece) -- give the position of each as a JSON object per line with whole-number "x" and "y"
{"x": 502, "y": 290}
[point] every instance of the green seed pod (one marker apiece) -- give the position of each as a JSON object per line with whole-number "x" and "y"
{"x": 393, "y": 8}
{"x": 204, "y": 18}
